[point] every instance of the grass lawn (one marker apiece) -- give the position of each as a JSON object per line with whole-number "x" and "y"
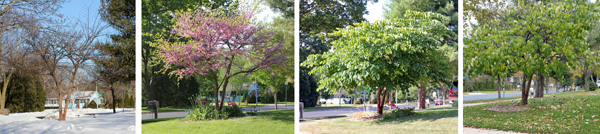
{"x": 438, "y": 119}
{"x": 271, "y": 122}
{"x": 170, "y": 109}
{"x": 577, "y": 112}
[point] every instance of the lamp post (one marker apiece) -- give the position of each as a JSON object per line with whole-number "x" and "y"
{"x": 286, "y": 83}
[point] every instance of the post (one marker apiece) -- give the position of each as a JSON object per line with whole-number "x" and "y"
{"x": 286, "y": 83}
{"x": 365, "y": 100}
{"x": 96, "y": 95}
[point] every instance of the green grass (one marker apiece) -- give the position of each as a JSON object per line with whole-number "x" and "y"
{"x": 439, "y": 119}
{"x": 519, "y": 97}
{"x": 578, "y": 113}
{"x": 171, "y": 109}
{"x": 276, "y": 122}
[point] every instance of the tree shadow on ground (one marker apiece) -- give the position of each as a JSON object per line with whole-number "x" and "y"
{"x": 430, "y": 115}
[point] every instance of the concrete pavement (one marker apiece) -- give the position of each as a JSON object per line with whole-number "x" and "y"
{"x": 495, "y": 96}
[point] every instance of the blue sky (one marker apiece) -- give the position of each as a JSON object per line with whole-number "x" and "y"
{"x": 78, "y": 9}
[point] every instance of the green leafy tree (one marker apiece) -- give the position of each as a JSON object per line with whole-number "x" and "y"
{"x": 542, "y": 35}
{"x": 381, "y": 55}
{"x": 317, "y": 18}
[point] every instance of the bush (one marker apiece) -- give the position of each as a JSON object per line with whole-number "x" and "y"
{"x": 396, "y": 113}
{"x": 454, "y": 104}
{"x": 25, "y": 93}
{"x": 593, "y": 86}
{"x": 208, "y": 112}
{"x": 203, "y": 112}
{"x": 234, "y": 111}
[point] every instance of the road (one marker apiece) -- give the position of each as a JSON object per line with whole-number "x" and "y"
{"x": 495, "y": 96}
{"x": 175, "y": 114}
{"x": 342, "y": 111}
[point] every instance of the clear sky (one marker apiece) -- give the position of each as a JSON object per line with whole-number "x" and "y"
{"x": 375, "y": 11}
{"x": 78, "y": 9}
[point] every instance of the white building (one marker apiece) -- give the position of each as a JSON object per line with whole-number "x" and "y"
{"x": 78, "y": 99}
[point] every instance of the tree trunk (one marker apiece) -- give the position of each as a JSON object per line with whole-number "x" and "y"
{"x": 60, "y": 105}
{"x": 112, "y": 91}
{"x": 499, "y": 87}
{"x": 586, "y": 85}
{"x": 381, "y": 100}
{"x": 525, "y": 89}
{"x": 275, "y": 91}
{"x": 421, "y": 96}
{"x": 6, "y": 82}
{"x": 539, "y": 86}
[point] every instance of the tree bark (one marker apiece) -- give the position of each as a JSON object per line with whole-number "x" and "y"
{"x": 421, "y": 96}
{"x": 112, "y": 91}
{"x": 586, "y": 84}
{"x": 381, "y": 100}
{"x": 275, "y": 91}
{"x": 379, "y": 90}
{"x": 539, "y": 85}
{"x": 525, "y": 89}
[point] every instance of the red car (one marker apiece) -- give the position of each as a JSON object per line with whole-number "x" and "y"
{"x": 439, "y": 102}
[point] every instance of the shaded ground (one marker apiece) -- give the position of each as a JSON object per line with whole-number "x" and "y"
{"x": 568, "y": 112}
{"x": 440, "y": 119}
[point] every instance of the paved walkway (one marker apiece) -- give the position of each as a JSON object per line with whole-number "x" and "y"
{"x": 175, "y": 114}
{"x": 343, "y": 111}
{"x": 495, "y": 95}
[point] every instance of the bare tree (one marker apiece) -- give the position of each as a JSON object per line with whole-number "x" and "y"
{"x": 21, "y": 14}
{"x": 66, "y": 50}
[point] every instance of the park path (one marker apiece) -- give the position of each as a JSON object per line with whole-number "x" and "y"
{"x": 495, "y": 95}
{"x": 343, "y": 111}
{"x": 175, "y": 114}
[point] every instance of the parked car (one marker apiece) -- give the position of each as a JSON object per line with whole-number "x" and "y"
{"x": 439, "y": 102}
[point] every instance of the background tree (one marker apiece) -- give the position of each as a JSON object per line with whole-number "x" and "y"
{"x": 117, "y": 63}
{"x": 380, "y": 55}
{"x": 276, "y": 75}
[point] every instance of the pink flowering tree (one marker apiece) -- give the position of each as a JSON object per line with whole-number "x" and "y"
{"x": 210, "y": 41}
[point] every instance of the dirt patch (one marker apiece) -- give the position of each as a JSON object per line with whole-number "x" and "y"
{"x": 508, "y": 108}
{"x": 364, "y": 117}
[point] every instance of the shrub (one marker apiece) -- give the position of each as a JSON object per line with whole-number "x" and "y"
{"x": 395, "y": 113}
{"x": 203, "y": 112}
{"x": 454, "y": 104}
{"x": 234, "y": 111}
{"x": 25, "y": 93}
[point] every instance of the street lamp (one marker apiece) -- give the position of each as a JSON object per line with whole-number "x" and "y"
{"x": 286, "y": 83}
